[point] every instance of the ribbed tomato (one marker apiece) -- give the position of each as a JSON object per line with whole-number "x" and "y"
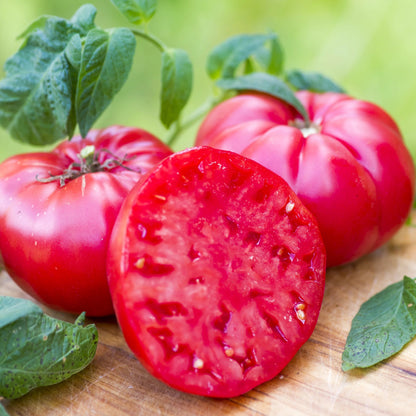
{"x": 57, "y": 212}
{"x": 350, "y": 166}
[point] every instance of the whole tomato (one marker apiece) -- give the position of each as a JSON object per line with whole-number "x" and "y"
{"x": 349, "y": 166}
{"x": 57, "y": 212}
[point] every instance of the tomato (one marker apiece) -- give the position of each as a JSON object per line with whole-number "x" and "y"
{"x": 350, "y": 166}
{"x": 216, "y": 271}
{"x": 53, "y": 235}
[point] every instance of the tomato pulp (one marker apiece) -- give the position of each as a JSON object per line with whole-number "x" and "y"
{"x": 216, "y": 270}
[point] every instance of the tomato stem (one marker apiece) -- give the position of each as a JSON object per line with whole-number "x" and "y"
{"x": 89, "y": 162}
{"x": 151, "y": 38}
{"x": 87, "y": 153}
{"x": 197, "y": 114}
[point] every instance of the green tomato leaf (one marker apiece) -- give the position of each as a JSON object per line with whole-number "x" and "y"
{"x": 177, "y": 78}
{"x": 36, "y": 96}
{"x": 226, "y": 58}
{"x": 249, "y": 67}
{"x": 271, "y": 58}
{"x": 73, "y": 53}
{"x": 83, "y": 19}
{"x": 275, "y": 59}
{"x": 39, "y": 23}
{"x": 106, "y": 61}
{"x": 265, "y": 83}
{"x": 136, "y": 11}
{"x": 382, "y": 327}
{"x": 37, "y": 350}
{"x": 312, "y": 81}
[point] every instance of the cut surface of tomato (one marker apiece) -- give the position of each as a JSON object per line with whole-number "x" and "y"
{"x": 217, "y": 272}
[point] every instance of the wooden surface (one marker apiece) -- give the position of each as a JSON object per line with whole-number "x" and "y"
{"x": 115, "y": 384}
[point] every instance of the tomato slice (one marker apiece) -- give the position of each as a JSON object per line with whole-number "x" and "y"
{"x": 217, "y": 272}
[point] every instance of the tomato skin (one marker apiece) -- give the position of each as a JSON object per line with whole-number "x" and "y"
{"x": 352, "y": 169}
{"x": 53, "y": 239}
{"x": 217, "y": 272}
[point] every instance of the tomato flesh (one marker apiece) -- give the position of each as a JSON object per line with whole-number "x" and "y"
{"x": 216, "y": 270}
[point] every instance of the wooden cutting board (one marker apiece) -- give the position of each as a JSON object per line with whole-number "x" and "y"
{"x": 115, "y": 384}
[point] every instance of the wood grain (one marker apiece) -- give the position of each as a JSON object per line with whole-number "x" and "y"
{"x": 115, "y": 384}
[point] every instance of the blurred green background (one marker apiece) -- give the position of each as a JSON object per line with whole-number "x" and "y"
{"x": 368, "y": 46}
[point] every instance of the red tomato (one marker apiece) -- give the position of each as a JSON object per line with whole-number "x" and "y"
{"x": 216, "y": 271}
{"x": 350, "y": 167}
{"x": 53, "y": 238}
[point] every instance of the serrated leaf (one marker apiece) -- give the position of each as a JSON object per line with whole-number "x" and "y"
{"x": 136, "y": 11}
{"x": 106, "y": 61}
{"x": 382, "y": 327}
{"x": 266, "y": 83}
{"x": 36, "y": 96}
{"x": 37, "y": 350}
{"x": 225, "y": 59}
{"x": 312, "y": 81}
{"x": 177, "y": 78}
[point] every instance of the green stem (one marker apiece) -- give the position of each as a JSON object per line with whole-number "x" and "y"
{"x": 152, "y": 39}
{"x": 87, "y": 154}
{"x": 180, "y": 126}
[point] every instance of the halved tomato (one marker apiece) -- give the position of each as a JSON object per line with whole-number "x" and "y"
{"x": 216, "y": 271}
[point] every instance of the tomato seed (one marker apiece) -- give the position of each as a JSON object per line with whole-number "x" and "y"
{"x": 140, "y": 263}
{"x": 160, "y": 197}
{"x": 229, "y": 352}
{"x": 301, "y": 315}
{"x": 289, "y": 207}
{"x": 198, "y": 363}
